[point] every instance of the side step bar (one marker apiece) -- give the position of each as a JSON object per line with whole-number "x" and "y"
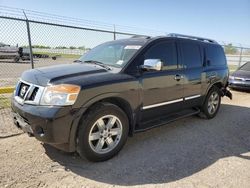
{"x": 165, "y": 120}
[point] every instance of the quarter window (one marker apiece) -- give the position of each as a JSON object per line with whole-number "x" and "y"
{"x": 215, "y": 55}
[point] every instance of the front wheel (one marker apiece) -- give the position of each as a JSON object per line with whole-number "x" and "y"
{"x": 212, "y": 103}
{"x": 102, "y": 133}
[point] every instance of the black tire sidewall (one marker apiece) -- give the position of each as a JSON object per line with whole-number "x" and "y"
{"x": 86, "y": 124}
{"x": 205, "y": 105}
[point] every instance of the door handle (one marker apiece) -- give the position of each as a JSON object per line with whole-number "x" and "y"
{"x": 178, "y": 77}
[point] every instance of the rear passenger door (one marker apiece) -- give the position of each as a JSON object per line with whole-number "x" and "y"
{"x": 192, "y": 64}
{"x": 215, "y": 64}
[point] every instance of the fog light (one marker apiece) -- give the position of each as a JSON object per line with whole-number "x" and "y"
{"x": 40, "y": 132}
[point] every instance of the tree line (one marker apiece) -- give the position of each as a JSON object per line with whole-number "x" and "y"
{"x": 58, "y": 47}
{"x": 230, "y": 49}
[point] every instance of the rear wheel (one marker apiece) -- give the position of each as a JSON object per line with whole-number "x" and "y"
{"x": 103, "y": 132}
{"x": 212, "y": 103}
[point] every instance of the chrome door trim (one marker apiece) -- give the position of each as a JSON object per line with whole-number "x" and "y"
{"x": 192, "y": 97}
{"x": 162, "y": 104}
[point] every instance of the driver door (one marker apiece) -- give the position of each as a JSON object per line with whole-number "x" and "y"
{"x": 162, "y": 90}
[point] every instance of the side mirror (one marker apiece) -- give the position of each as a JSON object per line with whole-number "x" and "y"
{"x": 152, "y": 65}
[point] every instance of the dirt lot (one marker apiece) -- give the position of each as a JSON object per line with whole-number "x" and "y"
{"x": 192, "y": 152}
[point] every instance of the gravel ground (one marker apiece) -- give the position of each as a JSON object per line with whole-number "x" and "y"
{"x": 192, "y": 152}
{"x": 7, "y": 128}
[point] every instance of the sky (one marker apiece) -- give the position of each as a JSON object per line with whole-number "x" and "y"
{"x": 222, "y": 20}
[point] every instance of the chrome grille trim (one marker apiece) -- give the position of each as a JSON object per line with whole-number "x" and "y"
{"x": 28, "y": 94}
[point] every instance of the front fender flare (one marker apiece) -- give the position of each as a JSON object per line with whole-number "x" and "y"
{"x": 81, "y": 111}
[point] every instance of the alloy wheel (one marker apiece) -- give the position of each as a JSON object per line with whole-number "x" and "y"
{"x": 213, "y": 103}
{"x": 105, "y": 134}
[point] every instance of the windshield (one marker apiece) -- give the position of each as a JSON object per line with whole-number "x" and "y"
{"x": 115, "y": 53}
{"x": 246, "y": 66}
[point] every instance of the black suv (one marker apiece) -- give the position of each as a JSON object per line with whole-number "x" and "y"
{"x": 119, "y": 88}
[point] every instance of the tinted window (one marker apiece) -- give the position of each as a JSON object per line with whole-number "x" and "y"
{"x": 215, "y": 55}
{"x": 191, "y": 56}
{"x": 166, "y": 52}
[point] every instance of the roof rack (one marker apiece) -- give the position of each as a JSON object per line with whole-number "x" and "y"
{"x": 191, "y": 37}
{"x": 141, "y": 36}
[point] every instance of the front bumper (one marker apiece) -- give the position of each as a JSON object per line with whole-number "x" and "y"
{"x": 245, "y": 85}
{"x": 50, "y": 125}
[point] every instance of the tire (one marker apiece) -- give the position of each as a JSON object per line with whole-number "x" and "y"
{"x": 212, "y": 103}
{"x": 99, "y": 140}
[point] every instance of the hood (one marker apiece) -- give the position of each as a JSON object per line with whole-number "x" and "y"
{"x": 241, "y": 74}
{"x": 45, "y": 75}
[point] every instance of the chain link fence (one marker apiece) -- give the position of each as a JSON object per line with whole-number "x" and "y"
{"x": 236, "y": 55}
{"x": 31, "y": 39}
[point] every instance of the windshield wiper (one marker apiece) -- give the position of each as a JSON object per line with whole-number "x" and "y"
{"x": 96, "y": 63}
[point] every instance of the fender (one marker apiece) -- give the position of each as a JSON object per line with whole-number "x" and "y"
{"x": 223, "y": 89}
{"x": 211, "y": 85}
{"x": 84, "y": 108}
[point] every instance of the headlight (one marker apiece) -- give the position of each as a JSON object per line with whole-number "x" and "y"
{"x": 231, "y": 77}
{"x": 60, "y": 95}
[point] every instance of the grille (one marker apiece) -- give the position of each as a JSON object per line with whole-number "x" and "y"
{"x": 33, "y": 94}
{"x": 23, "y": 89}
{"x": 28, "y": 93}
{"x": 242, "y": 79}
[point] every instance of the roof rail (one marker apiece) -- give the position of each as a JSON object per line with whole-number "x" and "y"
{"x": 141, "y": 36}
{"x": 191, "y": 37}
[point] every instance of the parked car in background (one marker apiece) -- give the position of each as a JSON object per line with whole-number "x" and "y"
{"x": 19, "y": 53}
{"x": 240, "y": 79}
{"x": 9, "y": 52}
{"x": 25, "y": 54}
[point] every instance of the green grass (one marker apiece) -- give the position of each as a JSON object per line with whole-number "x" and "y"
{"x": 4, "y": 102}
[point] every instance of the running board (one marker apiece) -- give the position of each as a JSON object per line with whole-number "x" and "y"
{"x": 164, "y": 120}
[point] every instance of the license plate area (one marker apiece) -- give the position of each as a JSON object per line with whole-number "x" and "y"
{"x": 21, "y": 123}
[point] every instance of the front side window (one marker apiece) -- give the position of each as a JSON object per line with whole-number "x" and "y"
{"x": 114, "y": 53}
{"x": 166, "y": 52}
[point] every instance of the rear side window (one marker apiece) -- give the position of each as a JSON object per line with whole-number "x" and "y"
{"x": 165, "y": 51}
{"x": 215, "y": 55}
{"x": 191, "y": 57}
